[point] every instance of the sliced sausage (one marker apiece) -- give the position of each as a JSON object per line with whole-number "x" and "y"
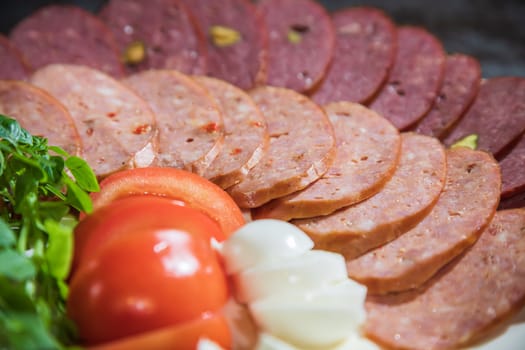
{"x": 302, "y": 147}
{"x": 460, "y": 87}
{"x": 189, "y": 122}
{"x": 117, "y": 127}
{"x": 67, "y": 34}
{"x": 515, "y": 201}
{"x": 415, "y": 79}
{"x": 497, "y": 115}
{"x": 156, "y": 34}
{"x": 245, "y": 133}
{"x": 365, "y": 48}
{"x": 39, "y": 113}
{"x": 512, "y": 172}
{"x": 466, "y": 298}
{"x": 367, "y": 152}
{"x": 236, "y": 40}
{"x": 301, "y": 42}
{"x": 465, "y": 207}
{"x": 13, "y": 65}
{"x": 404, "y": 201}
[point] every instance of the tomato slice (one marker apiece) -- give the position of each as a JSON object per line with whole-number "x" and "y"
{"x": 194, "y": 190}
{"x": 133, "y": 214}
{"x": 183, "y": 337}
{"x": 143, "y": 281}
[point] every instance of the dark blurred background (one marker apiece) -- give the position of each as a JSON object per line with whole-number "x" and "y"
{"x": 492, "y": 31}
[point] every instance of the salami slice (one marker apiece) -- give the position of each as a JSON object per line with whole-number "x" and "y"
{"x": 189, "y": 122}
{"x": 39, "y": 113}
{"x": 117, "y": 128}
{"x": 460, "y": 87}
{"x": 245, "y": 133}
{"x": 236, "y": 40}
{"x": 497, "y": 115}
{"x": 13, "y": 64}
{"x": 67, "y": 34}
{"x": 301, "y": 42}
{"x": 367, "y": 152}
{"x": 465, "y": 207}
{"x": 512, "y": 170}
{"x": 365, "y": 49}
{"x": 415, "y": 79}
{"x": 156, "y": 34}
{"x": 404, "y": 201}
{"x": 515, "y": 201}
{"x": 467, "y": 297}
{"x": 302, "y": 147}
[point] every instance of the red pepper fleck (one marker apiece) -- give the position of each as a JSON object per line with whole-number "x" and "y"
{"x": 89, "y": 131}
{"x": 112, "y": 114}
{"x": 141, "y": 129}
{"x": 235, "y": 151}
{"x": 257, "y": 124}
{"x": 211, "y": 127}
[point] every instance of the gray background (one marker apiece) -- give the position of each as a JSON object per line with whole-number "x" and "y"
{"x": 492, "y": 31}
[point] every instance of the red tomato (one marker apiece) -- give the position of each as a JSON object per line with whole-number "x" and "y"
{"x": 144, "y": 281}
{"x": 180, "y": 337}
{"x": 192, "y": 189}
{"x": 135, "y": 213}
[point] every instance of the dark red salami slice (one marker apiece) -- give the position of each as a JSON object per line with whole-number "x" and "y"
{"x": 469, "y": 296}
{"x": 40, "y": 113}
{"x": 497, "y": 115}
{"x": 116, "y": 126}
{"x": 515, "y": 201}
{"x": 460, "y": 87}
{"x": 13, "y": 65}
{"x": 301, "y": 42}
{"x": 513, "y": 170}
{"x": 156, "y": 34}
{"x": 365, "y": 49}
{"x": 236, "y": 40}
{"x": 415, "y": 79}
{"x": 465, "y": 208}
{"x": 67, "y": 34}
{"x": 189, "y": 121}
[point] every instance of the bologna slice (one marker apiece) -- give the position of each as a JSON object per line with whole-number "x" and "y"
{"x": 302, "y": 147}
{"x": 301, "y": 42}
{"x": 365, "y": 48}
{"x": 462, "y": 302}
{"x": 513, "y": 169}
{"x": 155, "y": 34}
{"x": 40, "y": 113}
{"x": 404, "y": 201}
{"x": 245, "y": 133}
{"x": 460, "y": 87}
{"x": 67, "y": 34}
{"x": 189, "y": 122}
{"x": 117, "y": 127}
{"x": 236, "y": 40}
{"x": 367, "y": 152}
{"x": 13, "y": 64}
{"x": 465, "y": 207}
{"x": 414, "y": 80}
{"x": 497, "y": 115}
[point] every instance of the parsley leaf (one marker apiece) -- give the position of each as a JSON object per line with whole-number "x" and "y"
{"x": 42, "y": 188}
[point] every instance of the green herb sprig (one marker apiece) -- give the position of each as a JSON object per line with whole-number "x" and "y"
{"x": 42, "y": 188}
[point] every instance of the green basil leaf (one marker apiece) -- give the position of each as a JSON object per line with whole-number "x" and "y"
{"x": 59, "y": 252}
{"x": 77, "y": 198}
{"x": 12, "y": 132}
{"x": 7, "y": 237}
{"x": 83, "y": 174}
{"x": 15, "y": 266}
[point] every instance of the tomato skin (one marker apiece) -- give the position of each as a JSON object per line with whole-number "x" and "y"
{"x": 196, "y": 191}
{"x": 143, "y": 281}
{"x": 132, "y": 214}
{"x": 181, "y": 337}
